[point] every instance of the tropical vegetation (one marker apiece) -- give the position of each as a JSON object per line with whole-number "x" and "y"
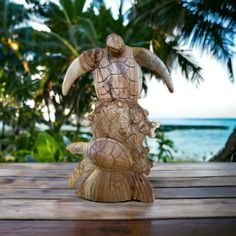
{"x": 39, "y": 39}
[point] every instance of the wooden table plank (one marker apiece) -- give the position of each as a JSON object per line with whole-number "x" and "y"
{"x": 79, "y": 209}
{"x": 190, "y": 199}
{"x": 32, "y": 182}
{"x": 159, "y": 166}
{"x": 153, "y": 175}
{"x": 41, "y": 182}
{"x": 193, "y": 193}
{"x": 37, "y": 193}
{"x": 193, "y": 182}
{"x": 183, "y": 227}
{"x": 191, "y": 173}
{"x": 160, "y": 193}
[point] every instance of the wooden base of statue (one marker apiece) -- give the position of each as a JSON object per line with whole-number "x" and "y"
{"x": 108, "y": 186}
{"x": 115, "y": 160}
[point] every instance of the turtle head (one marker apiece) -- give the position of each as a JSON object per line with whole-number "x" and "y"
{"x": 115, "y": 44}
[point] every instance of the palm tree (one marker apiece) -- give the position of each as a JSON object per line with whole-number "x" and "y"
{"x": 210, "y": 25}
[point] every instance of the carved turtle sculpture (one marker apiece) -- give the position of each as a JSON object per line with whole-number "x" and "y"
{"x": 117, "y": 73}
{"x": 115, "y": 158}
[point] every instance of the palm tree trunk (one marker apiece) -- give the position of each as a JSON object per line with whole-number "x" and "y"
{"x": 228, "y": 152}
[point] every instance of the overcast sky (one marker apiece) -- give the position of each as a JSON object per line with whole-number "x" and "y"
{"x": 214, "y": 97}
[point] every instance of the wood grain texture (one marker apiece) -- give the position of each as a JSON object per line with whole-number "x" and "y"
{"x": 32, "y": 182}
{"x": 159, "y": 166}
{"x": 201, "y": 205}
{"x": 79, "y": 209}
{"x": 45, "y": 182}
{"x": 160, "y": 193}
{"x": 155, "y": 174}
{"x": 193, "y": 193}
{"x": 194, "y": 182}
{"x": 183, "y": 227}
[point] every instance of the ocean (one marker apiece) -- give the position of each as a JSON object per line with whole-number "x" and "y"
{"x": 200, "y": 138}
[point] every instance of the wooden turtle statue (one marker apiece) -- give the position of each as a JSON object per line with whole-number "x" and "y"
{"x": 115, "y": 160}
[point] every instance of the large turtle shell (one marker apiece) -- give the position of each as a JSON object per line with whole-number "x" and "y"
{"x": 109, "y": 154}
{"x": 118, "y": 77}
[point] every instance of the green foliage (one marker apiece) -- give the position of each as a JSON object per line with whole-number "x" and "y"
{"x": 164, "y": 149}
{"x": 40, "y": 146}
{"x": 212, "y": 25}
{"x": 46, "y": 148}
{"x": 16, "y": 86}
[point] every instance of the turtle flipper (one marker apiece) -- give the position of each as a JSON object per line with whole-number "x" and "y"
{"x": 85, "y": 166}
{"x": 78, "y": 148}
{"x": 153, "y": 63}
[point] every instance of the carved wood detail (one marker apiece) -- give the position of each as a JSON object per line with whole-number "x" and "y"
{"x": 115, "y": 160}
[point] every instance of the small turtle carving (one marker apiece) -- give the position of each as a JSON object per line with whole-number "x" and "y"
{"x": 115, "y": 159}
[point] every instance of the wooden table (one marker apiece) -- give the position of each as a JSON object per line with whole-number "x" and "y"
{"x": 191, "y": 199}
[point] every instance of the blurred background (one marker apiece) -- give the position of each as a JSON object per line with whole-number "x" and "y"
{"x": 195, "y": 39}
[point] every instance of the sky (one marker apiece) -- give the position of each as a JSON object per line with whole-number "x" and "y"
{"x": 215, "y": 97}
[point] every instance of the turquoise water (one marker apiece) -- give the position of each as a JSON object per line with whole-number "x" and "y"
{"x": 199, "y": 144}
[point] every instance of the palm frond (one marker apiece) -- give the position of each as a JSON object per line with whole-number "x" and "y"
{"x": 211, "y": 25}
{"x": 167, "y": 48}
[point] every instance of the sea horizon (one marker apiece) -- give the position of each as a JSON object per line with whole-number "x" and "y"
{"x": 200, "y": 139}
